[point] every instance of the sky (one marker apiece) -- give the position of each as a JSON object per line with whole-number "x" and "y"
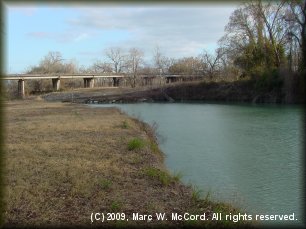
{"x": 82, "y": 32}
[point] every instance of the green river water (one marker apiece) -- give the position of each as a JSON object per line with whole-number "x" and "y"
{"x": 247, "y": 155}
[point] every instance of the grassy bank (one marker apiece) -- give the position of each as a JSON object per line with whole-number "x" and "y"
{"x": 65, "y": 161}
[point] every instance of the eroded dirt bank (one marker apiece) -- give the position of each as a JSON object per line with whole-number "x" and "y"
{"x": 239, "y": 91}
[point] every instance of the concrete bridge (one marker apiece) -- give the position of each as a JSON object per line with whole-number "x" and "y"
{"x": 88, "y": 79}
{"x": 56, "y": 79}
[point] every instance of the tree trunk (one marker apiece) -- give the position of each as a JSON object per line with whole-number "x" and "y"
{"x": 303, "y": 38}
{"x": 304, "y": 46}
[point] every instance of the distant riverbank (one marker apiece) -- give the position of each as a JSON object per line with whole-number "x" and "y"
{"x": 238, "y": 91}
{"x": 65, "y": 162}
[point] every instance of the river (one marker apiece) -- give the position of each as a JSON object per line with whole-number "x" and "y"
{"x": 247, "y": 155}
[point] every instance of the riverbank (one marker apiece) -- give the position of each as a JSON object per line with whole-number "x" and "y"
{"x": 65, "y": 161}
{"x": 237, "y": 91}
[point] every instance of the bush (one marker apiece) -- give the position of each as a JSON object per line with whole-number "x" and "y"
{"x": 269, "y": 81}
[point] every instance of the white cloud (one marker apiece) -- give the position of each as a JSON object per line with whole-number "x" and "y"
{"x": 82, "y": 36}
{"x": 178, "y": 29}
{"x": 62, "y": 37}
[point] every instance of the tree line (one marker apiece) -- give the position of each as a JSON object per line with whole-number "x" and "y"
{"x": 264, "y": 41}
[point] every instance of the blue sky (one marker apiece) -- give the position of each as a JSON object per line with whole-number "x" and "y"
{"x": 83, "y": 32}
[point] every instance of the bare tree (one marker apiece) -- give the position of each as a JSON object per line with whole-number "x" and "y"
{"x": 52, "y": 62}
{"x": 101, "y": 67}
{"x": 70, "y": 67}
{"x": 239, "y": 32}
{"x": 161, "y": 62}
{"x": 242, "y": 22}
{"x": 133, "y": 62}
{"x": 296, "y": 19}
{"x": 84, "y": 69}
{"x": 211, "y": 63}
{"x": 270, "y": 14}
{"x": 115, "y": 54}
{"x": 186, "y": 66}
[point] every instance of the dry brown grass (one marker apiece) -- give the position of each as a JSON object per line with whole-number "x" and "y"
{"x": 65, "y": 161}
{"x": 57, "y": 157}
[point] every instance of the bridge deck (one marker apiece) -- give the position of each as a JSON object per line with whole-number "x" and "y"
{"x": 59, "y": 76}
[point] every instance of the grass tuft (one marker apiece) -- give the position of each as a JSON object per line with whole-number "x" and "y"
{"x": 116, "y": 206}
{"x": 136, "y": 159}
{"x": 124, "y": 125}
{"x": 177, "y": 176}
{"x": 207, "y": 197}
{"x": 105, "y": 184}
{"x": 154, "y": 147}
{"x": 136, "y": 143}
{"x": 161, "y": 176}
{"x": 196, "y": 193}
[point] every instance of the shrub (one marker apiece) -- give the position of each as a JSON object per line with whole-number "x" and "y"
{"x": 269, "y": 81}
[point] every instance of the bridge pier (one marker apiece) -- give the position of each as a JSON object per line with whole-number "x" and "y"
{"x": 85, "y": 82}
{"x": 148, "y": 81}
{"x": 116, "y": 82}
{"x": 89, "y": 82}
{"x": 56, "y": 84}
{"x": 21, "y": 93}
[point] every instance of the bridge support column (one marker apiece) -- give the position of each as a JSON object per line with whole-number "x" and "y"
{"x": 56, "y": 84}
{"x": 85, "y": 82}
{"x": 21, "y": 93}
{"x": 89, "y": 82}
{"x": 92, "y": 83}
{"x": 115, "y": 82}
